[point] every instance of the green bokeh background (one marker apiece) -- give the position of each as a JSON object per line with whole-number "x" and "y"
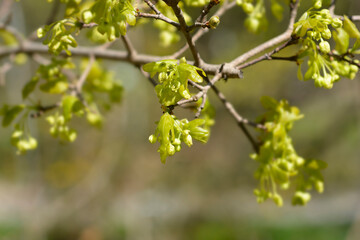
{"x": 110, "y": 183}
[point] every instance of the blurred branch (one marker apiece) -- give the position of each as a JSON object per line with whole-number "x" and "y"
{"x": 286, "y": 36}
{"x": 158, "y": 17}
{"x": 201, "y": 32}
{"x": 184, "y": 29}
{"x": 207, "y": 9}
{"x": 5, "y": 10}
{"x": 153, "y": 7}
{"x": 269, "y": 56}
{"x": 30, "y": 47}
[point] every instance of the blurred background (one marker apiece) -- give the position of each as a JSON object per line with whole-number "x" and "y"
{"x": 110, "y": 183}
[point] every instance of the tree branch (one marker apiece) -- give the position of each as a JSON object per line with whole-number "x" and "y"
{"x": 272, "y": 42}
{"x": 158, "y": 17}
{"x": 29, "y": 47}
{"x": 184, "y": 29}
{"x": 269, "y": 56}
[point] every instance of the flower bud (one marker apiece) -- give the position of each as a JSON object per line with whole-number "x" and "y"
{"x": 40, "y": 32}
{"x": 326, "y": 34}
{"x": 214, "y": 22}
{"x": 32, "y": 143}
{"x": 278, "y": 200}
{"x": 248, "y": 8}
{"x": 152, "y": 138}
{"x": 301, "y": 198}
{"x": 319, "y": 186}
{"x": 87, "y": 16}
{"x": 178, "y": 148}
{"x": 336, "y": 23}
{"x": 324, "y": 47}
{"x": 72, "y": 136}
{"x": 252, "y": 24}
{"x": 318, "y": 4}
{"x": 177, "y": 141}
{"x": 171, "y": 149}
{"x": 188, "y": 140}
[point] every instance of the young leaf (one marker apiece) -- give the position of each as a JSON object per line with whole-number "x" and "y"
{"x": 68, "y": 104}
{"x": 10, "y": 113}
{"x": 351, "y": 28}
{"x": 29, "y": 87}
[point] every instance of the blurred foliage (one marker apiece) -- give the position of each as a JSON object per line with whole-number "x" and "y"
{"x": 202, "y": 192}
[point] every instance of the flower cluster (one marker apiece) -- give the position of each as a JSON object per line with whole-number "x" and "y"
{"x": 58, "y": 35}
{"x": 171, "y": 132}
{"x": 111, "y": 17}
{"x": 278, "y": 159}
{"x": 326, "y": 66}
{"x": 168, "y": 33}
{"x": 173, "y": 78}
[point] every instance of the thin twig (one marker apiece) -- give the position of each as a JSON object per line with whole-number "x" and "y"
{"x": 3, "y": 70}
{"x": 269, "y": 56}
{"x": 201, "y": 107}
{"x": 152, "y": 6}
{"x": 206, "y": 10}
{"x": 129, "y": 47}
{"x": 5, "y": 10}
{"x": 239, "y": 119}
{"x": 158, "y": 17}
{"x": 147, "y": 75}
{"x": 272, "y": 42}
{"x": 85, "y": 74}
{"x": 53, "y": 12}
{"x": 110, "y": 54}
{"x": 41, "y": 110}
{"x": 184, "y": 29}
{"x": 202, "y": 31}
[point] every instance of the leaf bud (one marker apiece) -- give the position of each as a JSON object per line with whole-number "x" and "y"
{"x": 214, "y": 22}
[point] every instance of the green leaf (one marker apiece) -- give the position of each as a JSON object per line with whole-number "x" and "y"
{"x": 299, "y": 73}
{"x": 10, "y": 113}
{"x": 94, "y": 119}
{"x": 268, "y": 102}
{"x": 68, "y": 104}
{"x": 351, "y": 28}
{"x": 341, "y": 38}
{"x": 29, "y": 87}
{"x": 54, "y": 87}
{"x": 277, "y": 10}
{"x": 355, "y": 47}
